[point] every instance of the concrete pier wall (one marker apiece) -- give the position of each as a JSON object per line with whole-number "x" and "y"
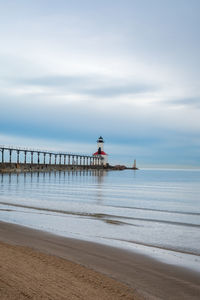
{"x": 22, "y": 167}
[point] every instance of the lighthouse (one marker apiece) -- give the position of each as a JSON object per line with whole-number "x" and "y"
{"x": 100, "y": 152}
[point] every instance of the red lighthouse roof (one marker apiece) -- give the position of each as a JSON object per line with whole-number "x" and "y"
{"x": 101, "y": 153}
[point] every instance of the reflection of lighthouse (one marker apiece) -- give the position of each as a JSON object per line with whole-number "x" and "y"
{"x": 100, "y": 151}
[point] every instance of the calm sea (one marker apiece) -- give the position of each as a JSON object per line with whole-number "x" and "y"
{"x": 156, "y": 212}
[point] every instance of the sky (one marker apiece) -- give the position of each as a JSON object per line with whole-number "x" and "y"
{"x": 129, "y": 70}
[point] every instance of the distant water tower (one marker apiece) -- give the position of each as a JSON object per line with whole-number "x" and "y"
{"x": 100, "y": 152}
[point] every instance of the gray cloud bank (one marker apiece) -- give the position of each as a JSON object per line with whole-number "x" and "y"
{"x": 89, "y": 85}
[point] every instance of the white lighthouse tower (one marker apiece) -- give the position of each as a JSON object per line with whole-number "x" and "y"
{"x": 100, "y": 152}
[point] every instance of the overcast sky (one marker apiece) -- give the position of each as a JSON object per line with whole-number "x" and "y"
{"x": 129, "y": 70}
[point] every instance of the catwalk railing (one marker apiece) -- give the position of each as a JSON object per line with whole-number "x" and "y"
{"x": 36, "y": 156}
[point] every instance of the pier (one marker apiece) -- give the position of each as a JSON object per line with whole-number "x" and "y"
{"x": 31, "y": 159}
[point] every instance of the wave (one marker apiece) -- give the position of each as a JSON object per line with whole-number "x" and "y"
{"x": 101, "y": 216}
{"x": 157, "y": 210}
{"x": 162, "y": 247}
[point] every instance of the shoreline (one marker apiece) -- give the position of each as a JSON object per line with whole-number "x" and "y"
{"x": 150, "y": 279}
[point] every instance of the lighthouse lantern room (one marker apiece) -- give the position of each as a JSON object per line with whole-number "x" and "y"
{"x": 100, "y": 151}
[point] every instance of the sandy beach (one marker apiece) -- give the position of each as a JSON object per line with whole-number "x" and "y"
{"x": 31, "y": 274}
{"x": 40, "y": 265}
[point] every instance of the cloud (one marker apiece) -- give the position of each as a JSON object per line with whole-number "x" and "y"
{"x": 96, "y": 86}
{"x": 186, "y": 102}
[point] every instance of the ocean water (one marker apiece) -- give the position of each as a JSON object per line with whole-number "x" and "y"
{"x": 155, "y": 212}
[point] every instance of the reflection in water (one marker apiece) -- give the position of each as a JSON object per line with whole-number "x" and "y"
{"x": 33, "y": 184}
{"x": 46, "y": 176}
{"x": 47, "y": 185}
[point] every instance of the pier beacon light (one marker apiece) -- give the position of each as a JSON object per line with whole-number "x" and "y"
{"x": 100, "y": 152}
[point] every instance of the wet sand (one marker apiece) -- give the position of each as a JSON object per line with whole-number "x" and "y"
{"x": 40, "y": 265}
